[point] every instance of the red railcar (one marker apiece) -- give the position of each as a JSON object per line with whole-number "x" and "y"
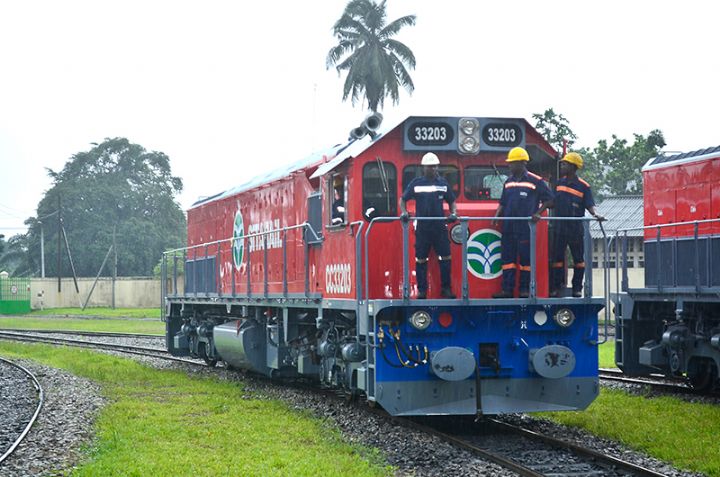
{"x": 671, "y": 323}
{"x": 309, "y": 271}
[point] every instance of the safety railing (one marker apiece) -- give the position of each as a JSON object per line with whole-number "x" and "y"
{"x": 678, "y": 261}
{"x": 464, "y": 221}
{"x": 202, "y": 253}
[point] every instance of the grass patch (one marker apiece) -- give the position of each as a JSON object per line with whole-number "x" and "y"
{"x": 167, "y": 423}
{"x": 100, "y": 311}
{"x": 69, "y": 324}
{"x": 606, "y": 352}
{"x": 670, "y": 429}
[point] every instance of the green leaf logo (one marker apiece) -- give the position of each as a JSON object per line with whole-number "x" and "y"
{"x": 483, "y": 254}
{"x": 238, "y": 244}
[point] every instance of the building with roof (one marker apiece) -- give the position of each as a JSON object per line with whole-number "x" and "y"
{"x": 622, "y": 212}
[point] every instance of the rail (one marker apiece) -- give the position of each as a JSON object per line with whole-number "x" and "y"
{"x": 677, "y": 260}
{"x": 41, "y": 402}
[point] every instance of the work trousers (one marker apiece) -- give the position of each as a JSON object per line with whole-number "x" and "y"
{"x": 515, "y": 255}
{"x": 564, "y": 238}
{"x": 435, "y": 237}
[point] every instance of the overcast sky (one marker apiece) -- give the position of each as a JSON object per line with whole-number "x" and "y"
{"x": 228, "y": 89}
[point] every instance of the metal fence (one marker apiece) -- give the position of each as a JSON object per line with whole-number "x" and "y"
{"x": 14, "y": 296}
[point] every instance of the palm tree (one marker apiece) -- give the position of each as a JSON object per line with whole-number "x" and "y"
{"x": 375, "y": 62}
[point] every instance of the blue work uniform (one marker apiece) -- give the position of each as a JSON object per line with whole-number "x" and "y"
{"x": 521, "y": 197}
{"x": 572, "y": 198}
{"x": 429, "y": 195}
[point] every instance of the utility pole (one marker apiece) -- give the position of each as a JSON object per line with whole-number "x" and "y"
{"x": 42, "y": 251}
{"x": 59, "y": 247}
{"x": 114, "y": 276}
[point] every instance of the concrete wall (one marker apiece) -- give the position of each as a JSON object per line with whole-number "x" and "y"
{"x": 130, "y": 292}
{"x": 636, "y": 279}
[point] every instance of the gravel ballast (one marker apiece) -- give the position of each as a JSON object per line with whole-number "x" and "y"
{"x": 64, "y": 426}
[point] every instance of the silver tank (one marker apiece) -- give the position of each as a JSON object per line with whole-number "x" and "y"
{"x": 241, "y": 343}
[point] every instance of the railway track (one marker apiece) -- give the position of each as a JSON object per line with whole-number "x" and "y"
{"x": 526, "y": 452}
{"x": 523, "y": 451}
{"x": 40, "y": 398}
{"x": 658, "y": 383}
{"x": 31, "y": 337}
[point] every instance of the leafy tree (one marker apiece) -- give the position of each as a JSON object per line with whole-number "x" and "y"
{"x": 555, "y": 128}
{"x": 14, "y": 256}
{"x": 116, "y": 186}
{"x": 612, "y": 168}
{"x": 376, "y": 64}
{"x": 616, "y": 166}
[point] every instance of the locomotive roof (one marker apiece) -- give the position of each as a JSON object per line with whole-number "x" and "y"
{"x": 336, "y": 154}
{"x": 662, "y": 160}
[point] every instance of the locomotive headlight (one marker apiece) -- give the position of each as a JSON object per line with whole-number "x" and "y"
{"x": 420, "y": 320}
{"x": 457, "y": 236}
{"x": 469, "y": 126}
{"x": 470, "y": 144}
{"x": 564, "y": 317}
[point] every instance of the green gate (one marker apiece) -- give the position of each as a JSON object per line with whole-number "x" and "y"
{"x": 14, "y": 296}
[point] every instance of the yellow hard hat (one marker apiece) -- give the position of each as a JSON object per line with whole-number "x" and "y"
{"x": 517, "y": 154}
{"x": 573, "y": 158}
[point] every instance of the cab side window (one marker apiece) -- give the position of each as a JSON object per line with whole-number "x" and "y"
{"x": 337, "y": 195}
{"x": 379, "y": 193}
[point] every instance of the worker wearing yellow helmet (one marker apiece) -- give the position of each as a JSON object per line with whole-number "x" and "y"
{"x": 521, "y": 197}
{"x": 573, "y": 196}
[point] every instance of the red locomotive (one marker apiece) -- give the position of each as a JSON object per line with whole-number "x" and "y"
{"x": 671, "y": 324}
{"x": 307, "y": 271}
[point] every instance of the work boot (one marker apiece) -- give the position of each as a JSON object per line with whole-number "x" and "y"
{"x": 503, "y": 294}
{"x": 524, "y": 294}
{"x": 555, "y": 293}
{"x": 447, "y": 293}
{"x": 577, "y": 293}
{"x": 421, "y": 295}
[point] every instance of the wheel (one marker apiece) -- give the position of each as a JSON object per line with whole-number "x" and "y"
{"x": 202, "y": 352}
{"x": 351, "y": 395}
{"x": 703, "y": 375}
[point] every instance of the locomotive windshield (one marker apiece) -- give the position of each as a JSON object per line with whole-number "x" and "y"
{"x": 449, "y": 173}
{"x": 484, "y": 183}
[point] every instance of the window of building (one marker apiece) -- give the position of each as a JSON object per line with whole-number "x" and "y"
{"x": 379, "y": 190}
{"x": 449, "y": 173}
{"x": 484, "y": 183}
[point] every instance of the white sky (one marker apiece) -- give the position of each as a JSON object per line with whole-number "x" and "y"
{"x": 229, "y": 89}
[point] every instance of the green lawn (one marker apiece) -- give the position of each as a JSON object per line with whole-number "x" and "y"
{"x": 607, "y": 354}
{"x": 105, "y": 312}
{"x": 665, "y": 427}
{"x": 167, "y": 423}
{"x": 70, "y": 324}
